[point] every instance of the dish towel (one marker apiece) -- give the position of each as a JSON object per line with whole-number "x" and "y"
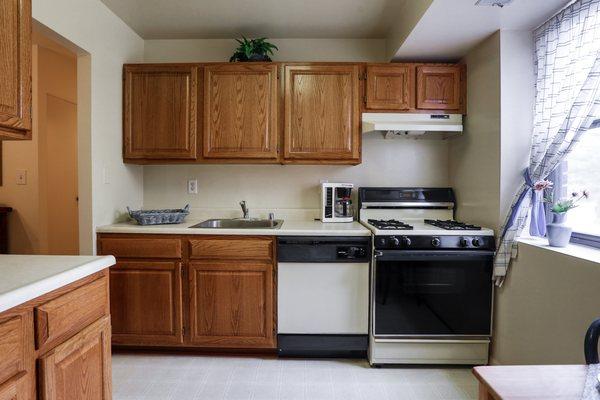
{"x": 591, "y": 390}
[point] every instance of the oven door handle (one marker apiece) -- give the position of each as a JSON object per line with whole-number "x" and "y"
{"x": 434, "y": 255}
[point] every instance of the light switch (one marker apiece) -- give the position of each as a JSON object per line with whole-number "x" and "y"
{"x": 192, "y": 186}
{"x": 105, "y": 176}
{"x": 21, "y": 177}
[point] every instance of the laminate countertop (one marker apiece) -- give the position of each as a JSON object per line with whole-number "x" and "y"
{"x": 25, "y": 277}
{"x": 288, "y": 228}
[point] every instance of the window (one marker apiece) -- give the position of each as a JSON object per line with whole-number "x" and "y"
{"x": 581, "y": 171}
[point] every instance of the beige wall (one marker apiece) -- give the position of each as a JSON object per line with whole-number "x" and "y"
{"x": 475, "y": 156}
{"x": 103, "y": 43}
{"x": 215, "y": 50}
{"x": 54, "y": 76}
{"x": 386, "y": 162}
{"x": 393, "y": 162}
{"x": 24, "y": 235}
{"x": 544, "y": 308}
{"x": 517, "y": 97}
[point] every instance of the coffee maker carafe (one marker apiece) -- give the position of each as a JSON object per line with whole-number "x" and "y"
{"x": 336, "y": 202}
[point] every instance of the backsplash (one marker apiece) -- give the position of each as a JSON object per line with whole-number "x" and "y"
{"x": 386, "y": 162}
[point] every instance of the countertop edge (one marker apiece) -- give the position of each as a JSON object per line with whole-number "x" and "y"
{"x": 39, "y": 288}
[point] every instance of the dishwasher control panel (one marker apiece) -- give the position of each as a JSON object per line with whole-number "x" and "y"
{"x": 323, "y": 249}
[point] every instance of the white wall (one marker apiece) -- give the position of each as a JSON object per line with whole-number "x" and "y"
{"x": 219, "y": 50}
{"x": 104, "y": 43}
{"x": 385, "y": 162}
{"x": 475, "y": 156}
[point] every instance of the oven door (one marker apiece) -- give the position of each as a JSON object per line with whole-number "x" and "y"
{"x": 432, "y": 294}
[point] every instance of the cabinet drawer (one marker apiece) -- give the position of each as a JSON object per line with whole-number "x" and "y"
{"x": 66, "y": 315}
{"x": 140, "y": 247}
{"x": 12, "y": 346}
{"x": 232, "y": 248}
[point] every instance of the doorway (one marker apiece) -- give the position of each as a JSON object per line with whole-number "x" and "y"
{"x": 55, "y": 121}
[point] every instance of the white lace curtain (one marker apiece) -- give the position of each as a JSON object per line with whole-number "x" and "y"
{"x": 567, "y": 102}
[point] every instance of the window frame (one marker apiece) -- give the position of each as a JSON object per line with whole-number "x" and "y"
{"x": 560, "y": 177}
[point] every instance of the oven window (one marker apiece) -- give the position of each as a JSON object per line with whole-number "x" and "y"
{"x": 425, "y": 297}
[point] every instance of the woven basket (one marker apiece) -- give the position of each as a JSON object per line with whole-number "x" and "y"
{"x": 160, "y": 217}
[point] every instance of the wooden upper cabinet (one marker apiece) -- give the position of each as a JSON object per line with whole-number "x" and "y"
{"x": 322, "y": 113}
{"x": 160, "y": 111}
{"x": 240, "y": 111}
{"x": 439, "y": 87}
{"x": 80, "y": 367}
{"x": 390, "y": 87}
{"x": 15, "y": 69}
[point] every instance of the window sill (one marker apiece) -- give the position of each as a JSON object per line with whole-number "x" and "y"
{"x": 582, "y": 252}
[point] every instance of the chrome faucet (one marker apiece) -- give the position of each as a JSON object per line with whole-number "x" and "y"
{"x": 245, "y": 209}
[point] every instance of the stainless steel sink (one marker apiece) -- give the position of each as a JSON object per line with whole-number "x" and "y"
{"x": 240, "y": 224}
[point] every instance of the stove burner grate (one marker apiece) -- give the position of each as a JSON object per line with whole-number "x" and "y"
{"x": 452, "y": 225}
{"x": 390, "y": 224}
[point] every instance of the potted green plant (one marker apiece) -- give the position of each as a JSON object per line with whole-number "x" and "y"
{"x": 253, "y": 50}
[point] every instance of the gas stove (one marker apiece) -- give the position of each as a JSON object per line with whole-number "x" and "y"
{"x": 431, "y": 279}
{"x": 420, "y": 219}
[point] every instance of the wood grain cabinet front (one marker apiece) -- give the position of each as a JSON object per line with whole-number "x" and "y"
{"x": 322, "y": 118}
{"x": 79, "y": 368}
{"x": 439, "y": 87}
{"x": 145, "y": 299}
{"x": 160, "y": 118}
{"x": 63, "y": 316}
{"x": 390, "y": 87}
{"x": 231, "y": 304}
{"x": 16, "y": 353}
{"x": 240, "y": 111}
{"x": 15, "y": 69}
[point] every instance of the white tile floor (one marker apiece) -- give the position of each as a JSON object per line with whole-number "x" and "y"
{"x": 194, "y": 377}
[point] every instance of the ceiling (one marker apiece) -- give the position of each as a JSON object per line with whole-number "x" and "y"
{"x": 203, "y": 19}
{"x": 449, "y": 28}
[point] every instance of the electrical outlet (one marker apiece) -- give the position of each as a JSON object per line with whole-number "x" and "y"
{"x": 192, "y": 186}
{"x": 21, "y": 177}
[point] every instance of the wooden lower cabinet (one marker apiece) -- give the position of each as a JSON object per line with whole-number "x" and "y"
{"x": 219, "y": 293}
{"x": 146, "y": 302}
{"x": 15, "y": 388}
{"x": 80, "y": 367}
{"x": 73, "y": 359}
{"x": 231, "y": 304}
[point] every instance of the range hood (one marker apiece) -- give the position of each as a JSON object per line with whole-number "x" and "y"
{"x": 413, "y": 124}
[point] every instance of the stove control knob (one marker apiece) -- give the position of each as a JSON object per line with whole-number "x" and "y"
{"x": 406, "y": 241}
{"x": 394, "y": 241}
{"x": 381, "y": 242}
{"x": 436, "y": 242}
{"x": 476, "y": 242}
{"x": 463, "y": 242}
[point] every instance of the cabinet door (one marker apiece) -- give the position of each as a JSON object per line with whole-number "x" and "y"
{"x": 232, "y": 304}
{"x": 390, "y": 87}
{"x": 15, "y": 388}
{"x": 145, "y": 301}
{"x": 15, "y": 69}
{"x": 160, "y": 111}
{"x": 240, "y": 111}
{"x": 80, "y": 368}
{"x": 438, "y": 87}
{"x": 322, "y": 113}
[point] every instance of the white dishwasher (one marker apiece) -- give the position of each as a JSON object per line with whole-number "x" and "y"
{"x": 323, "y": 296}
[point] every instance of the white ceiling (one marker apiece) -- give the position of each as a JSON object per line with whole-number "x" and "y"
{"x": 186, "y": 19}
{"x": 449, "y": 28}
